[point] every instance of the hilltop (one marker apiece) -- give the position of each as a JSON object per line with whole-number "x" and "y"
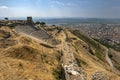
{"x": 65, "y": 54}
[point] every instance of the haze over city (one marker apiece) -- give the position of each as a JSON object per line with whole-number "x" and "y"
{"x": 60, "y": 8}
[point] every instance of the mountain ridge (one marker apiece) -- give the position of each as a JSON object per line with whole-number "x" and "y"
{"x": 26, "y": 59}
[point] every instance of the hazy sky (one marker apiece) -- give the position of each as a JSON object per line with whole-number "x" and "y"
{"x": 60, "y": 8}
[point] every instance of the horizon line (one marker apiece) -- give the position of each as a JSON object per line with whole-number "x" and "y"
{"x": 62, "y": 17}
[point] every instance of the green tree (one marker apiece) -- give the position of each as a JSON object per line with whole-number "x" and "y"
{"x": 6, "y": 18}
{"x": 37, "y": 22}
{"x": 42, "y": 24}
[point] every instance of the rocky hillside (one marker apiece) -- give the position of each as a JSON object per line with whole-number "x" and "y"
{"x": 77, "y": 56}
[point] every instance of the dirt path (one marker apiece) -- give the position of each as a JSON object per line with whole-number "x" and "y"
{"x": 108, "y": 59}
{"x": 110, "y": 62}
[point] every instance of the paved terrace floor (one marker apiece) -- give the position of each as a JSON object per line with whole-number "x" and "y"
{"x": 33, "y": 32}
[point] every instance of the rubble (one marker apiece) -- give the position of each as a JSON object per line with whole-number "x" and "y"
{"x": 99, "y": 76}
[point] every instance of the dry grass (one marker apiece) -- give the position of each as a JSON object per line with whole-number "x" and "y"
{"x": 90, "y": 62}
{"x": 26, "y": 59}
